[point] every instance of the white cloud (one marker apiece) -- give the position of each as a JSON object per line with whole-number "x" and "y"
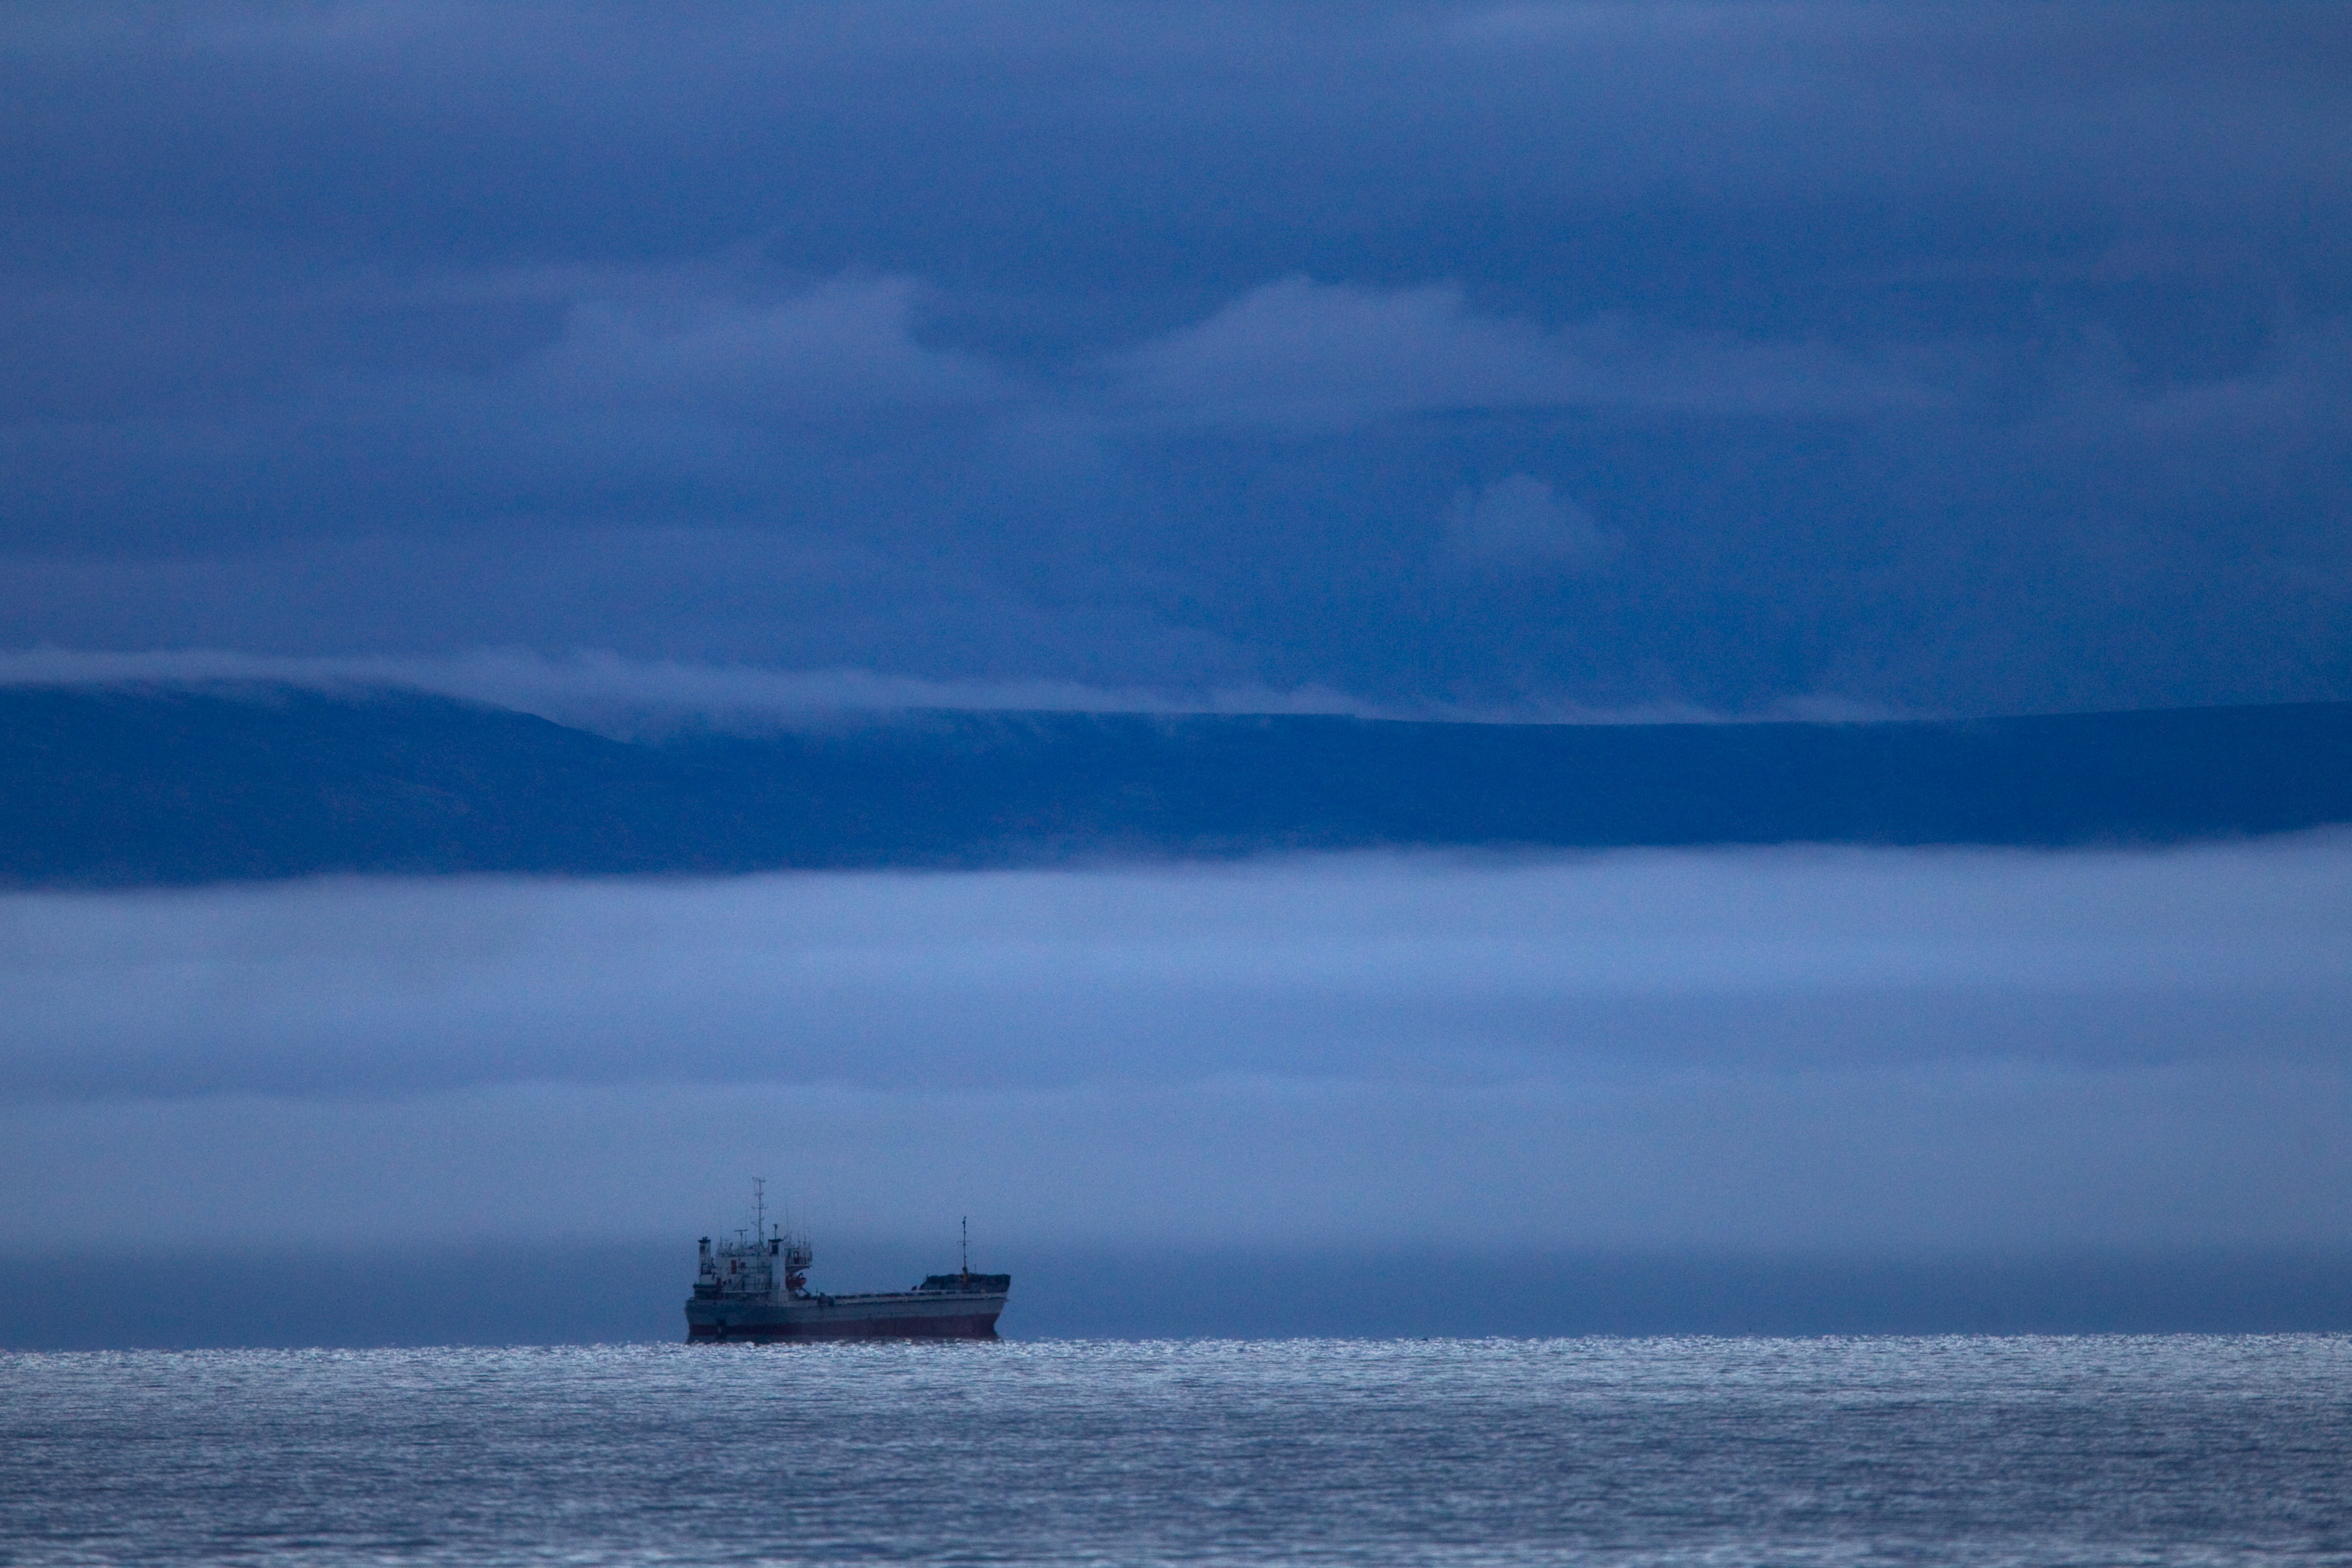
{"x": 1303, "y": 356}
{"x": 602, "y": 690}
{"x": 653, "y": 698}
{"x": 1521, "y": 524}
{"x": 844, "y": 346}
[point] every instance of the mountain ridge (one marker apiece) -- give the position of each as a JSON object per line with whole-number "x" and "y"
{"x": 152, "y": 784}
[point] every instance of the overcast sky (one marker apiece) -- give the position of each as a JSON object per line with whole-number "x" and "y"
{"x": 1501, "y": 359}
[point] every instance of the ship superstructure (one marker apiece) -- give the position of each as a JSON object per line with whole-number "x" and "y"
{"x": 756, "y": 1288}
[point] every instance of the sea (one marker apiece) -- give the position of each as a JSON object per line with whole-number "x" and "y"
{"x": 2105, "y": 1450}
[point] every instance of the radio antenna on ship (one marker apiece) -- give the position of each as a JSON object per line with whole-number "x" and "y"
{"x": 963, "y": 1227}
{"x": 760, "y": 1208}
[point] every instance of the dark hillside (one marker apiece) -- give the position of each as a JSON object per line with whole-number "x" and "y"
{"x": 167, "y": 785}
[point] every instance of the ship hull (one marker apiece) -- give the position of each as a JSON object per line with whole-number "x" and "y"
{"x": 925, "y": 1316}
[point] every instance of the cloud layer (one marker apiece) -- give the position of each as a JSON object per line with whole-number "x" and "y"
{"x": 1940, "y": 358}
{"x": 1747, "y": 1050}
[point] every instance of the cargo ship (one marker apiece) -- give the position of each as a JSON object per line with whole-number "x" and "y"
{"x": 756, "y": 1288}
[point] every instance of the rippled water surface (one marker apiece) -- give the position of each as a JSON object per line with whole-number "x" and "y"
{"x": 1616, "y": 1451}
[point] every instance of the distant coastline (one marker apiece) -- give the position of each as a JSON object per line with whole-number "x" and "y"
{"x": 157, "y": 785}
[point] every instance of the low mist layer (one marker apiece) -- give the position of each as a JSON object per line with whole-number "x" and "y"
{"x": 1785, "y": 1052}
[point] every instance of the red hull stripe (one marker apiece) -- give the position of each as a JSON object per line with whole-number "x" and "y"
{"x": 978, "y": 1326}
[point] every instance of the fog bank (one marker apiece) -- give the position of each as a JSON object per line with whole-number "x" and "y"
{"x": 1773, "y": 1049}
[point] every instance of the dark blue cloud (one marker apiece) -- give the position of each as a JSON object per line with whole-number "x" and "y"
{"x": 1934, "y": 357}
